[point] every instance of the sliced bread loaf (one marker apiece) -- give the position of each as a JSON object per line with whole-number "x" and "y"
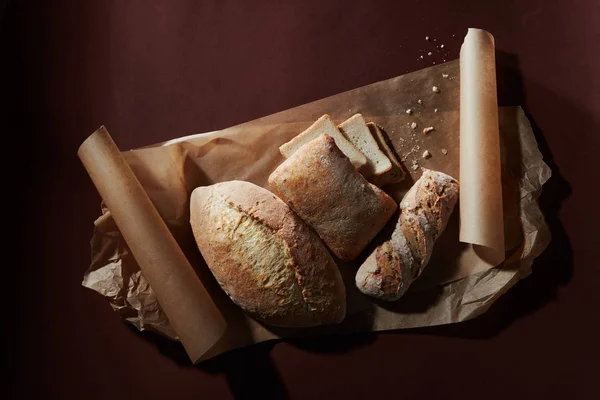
{"x": 356, "y": 131}
{"x": 324, "y": 125}
{"x": 394, "y": 175}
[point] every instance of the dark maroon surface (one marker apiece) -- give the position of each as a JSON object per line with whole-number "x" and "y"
{"x": 153, "y": 70}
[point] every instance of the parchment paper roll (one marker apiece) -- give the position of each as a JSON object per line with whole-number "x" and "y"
{"x": 191, "y": 312}
{"x": 481, "y": 216}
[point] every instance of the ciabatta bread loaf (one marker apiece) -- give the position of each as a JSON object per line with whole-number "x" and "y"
{"x": 424, "y": 213}
{"x": 265, "y": 258}
{"x": 356, "y": 131}
{"x": 320, "y": 184}
{"x": 325, "y": 126}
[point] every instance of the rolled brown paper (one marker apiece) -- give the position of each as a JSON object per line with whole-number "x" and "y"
{"x": 191, "y": 312}
{"x": 481, "y": 219}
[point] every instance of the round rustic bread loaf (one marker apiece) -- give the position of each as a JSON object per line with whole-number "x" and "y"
{"x": 265, "y": 257}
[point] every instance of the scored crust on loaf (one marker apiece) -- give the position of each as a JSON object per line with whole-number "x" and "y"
{"x": 264, "y": 257}
{"x": 320, "y": 184}
{"x": 396, "y": 173}
{"x": 424, "y": 213}
{"x": 324, "y": 125}
{"x": 383, "y": 273}
{"x": 356, "y": 131}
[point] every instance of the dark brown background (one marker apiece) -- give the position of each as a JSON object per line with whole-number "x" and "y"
{"x": 153, "y": 70}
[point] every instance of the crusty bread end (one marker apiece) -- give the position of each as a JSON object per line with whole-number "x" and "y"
{"x": 356, "y": 131}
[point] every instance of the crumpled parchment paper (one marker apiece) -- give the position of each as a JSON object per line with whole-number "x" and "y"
{"x": 451, "y": 289}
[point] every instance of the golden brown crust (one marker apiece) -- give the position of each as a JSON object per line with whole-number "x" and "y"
{"x": 264, "y": 257}
{"x": 326, "y": 191}
{"x": 424, "y": 214}
{"x": 384, "y": 274}
{"x": 425, "y": 211}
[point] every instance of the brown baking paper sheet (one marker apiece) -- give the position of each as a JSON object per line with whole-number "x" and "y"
{"x": 457, "y": 284}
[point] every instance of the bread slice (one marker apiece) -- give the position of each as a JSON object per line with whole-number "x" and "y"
{"x": 269, "y": 262}
{"x": 324, "y": 125}
{"x": 396, "y": 173}
{"x": 356, "y": 131}
{"x": 320, "y": 184}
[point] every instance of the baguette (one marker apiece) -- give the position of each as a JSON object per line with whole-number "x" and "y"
{"x": 320, "y": 184}
{"x": 424, "y": 213}
{"x": 269, "y": 262}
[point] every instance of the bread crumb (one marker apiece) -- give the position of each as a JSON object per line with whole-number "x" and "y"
{"x": 419, "y": 101}
{"x": 413, "y": 125}
{"x": 441, "y": 46}
{"x": 427, "y": 38}
{"x": 445, "y": 76}
{"x": 444, "y": 151}
{"x": 426, "y": 154}
{"x": 421, "y": 57}
{"x": 415, "y": 166}
{"x": 435, "y": 89}
{"x": 427, "y": 130}
{"x": 430, "y": 53}
{"x": 435, "y": 110}
{"x": 408, "y": 111}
